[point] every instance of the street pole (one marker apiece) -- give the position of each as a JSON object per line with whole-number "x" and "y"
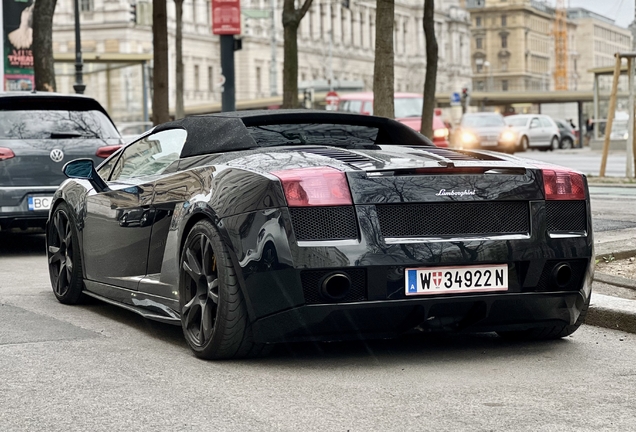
{"x": 228, "y": 99}
{"x": 273, "y": 85}
{"x": 79, "y": 86}
{"x": 629, "y": 159}
{"x": 2, "y": 49}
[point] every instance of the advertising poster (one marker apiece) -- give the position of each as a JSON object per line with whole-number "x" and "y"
{"x": 18, "y": 37}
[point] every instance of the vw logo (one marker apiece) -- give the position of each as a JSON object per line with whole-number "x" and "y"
{"x": 57, "y": 155}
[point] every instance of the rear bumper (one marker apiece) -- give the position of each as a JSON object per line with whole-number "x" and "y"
{"x": 14, "y": 206}
{"x": 384, "y": 319}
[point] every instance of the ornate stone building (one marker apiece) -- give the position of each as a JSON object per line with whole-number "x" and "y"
{"x": 336, "y": 39}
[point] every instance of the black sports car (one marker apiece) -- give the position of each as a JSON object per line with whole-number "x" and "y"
{"x": 255, "y": 228}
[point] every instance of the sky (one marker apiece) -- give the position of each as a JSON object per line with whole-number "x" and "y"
{"x": 622, "y": 11}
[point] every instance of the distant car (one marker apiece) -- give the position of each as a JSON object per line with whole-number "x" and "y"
{"x": 535, "y": 131}
{"x": 568, "y": 134}
{"x": 39, "y": 133}
{"x": 486, "y": 131}
{"x": 408, "y": 110}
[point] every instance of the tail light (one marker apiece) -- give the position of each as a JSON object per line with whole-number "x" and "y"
{"x": 563, "y": 185}
{"x": 6, "y": 153}
{"x": 104, "y": 152}
{"x": 321, "y": 186}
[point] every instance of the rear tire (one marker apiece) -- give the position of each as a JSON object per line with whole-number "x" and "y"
{"x": 548, "y": 333}
{"x": 65, "y": 262}
{"x": 566, "y": 143}
{"x": 213, "y": 311}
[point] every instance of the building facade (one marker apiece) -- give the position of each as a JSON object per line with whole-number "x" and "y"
{"x": 335, "y": 41}
{"x": 513, "y": 46}
{"x": 602, "y": 37}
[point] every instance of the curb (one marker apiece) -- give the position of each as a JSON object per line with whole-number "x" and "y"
{"x": 615, "y": 280}
{"x": 620, "y": 254}
{"x": 612, "y": 312}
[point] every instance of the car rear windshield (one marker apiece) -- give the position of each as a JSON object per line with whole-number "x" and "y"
{"x": 52, "y": 124}
{"x": 517, "y": 121}
{"x": 344, "y": 135}
{"x": 482, "y": 121}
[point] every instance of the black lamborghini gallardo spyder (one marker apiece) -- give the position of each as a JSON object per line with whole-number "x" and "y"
{"x": 255, "y": 228}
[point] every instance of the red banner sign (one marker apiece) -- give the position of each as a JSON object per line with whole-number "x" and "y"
{"x": 226, "y": 17}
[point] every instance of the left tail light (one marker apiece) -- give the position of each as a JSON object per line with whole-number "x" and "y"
{"x": 563, "y": 185}
{"x": 322, "y": 186}
{"x": 104, "y": 152}
{"x": 6, "y": 153}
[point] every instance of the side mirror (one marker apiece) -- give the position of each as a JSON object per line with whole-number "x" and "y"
{"x": 85, "y": 169}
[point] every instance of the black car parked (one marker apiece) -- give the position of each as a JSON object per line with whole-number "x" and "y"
{"x": 568, "y": 135}
{"x": 254, "y": 228}
{"x": 39, "y": 133}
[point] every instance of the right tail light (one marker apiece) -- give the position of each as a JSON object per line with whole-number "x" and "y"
{"x": 563, "y": 185}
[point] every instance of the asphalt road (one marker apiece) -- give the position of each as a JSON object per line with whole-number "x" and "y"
{"x": 585, "y": 160}
{"x": 96, "y": 367}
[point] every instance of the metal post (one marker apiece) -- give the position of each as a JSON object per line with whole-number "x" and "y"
{"x": 79, "y": 86}
{"x": 331, "y": 59}
{"x": 596, "y": 114}
{"x": 582, "y": 125}
{"x": 228, "y": 100}
{"x": 273, "y": 81}
{"x": 144, "y": 86}
{"x": 629, "y": 156}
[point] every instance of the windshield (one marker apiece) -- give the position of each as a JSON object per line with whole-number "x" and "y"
{"x": 516, "y": 121}
{"x": 408, "y": 107}
{"x": 47, "y": 124}
{"x": 482, "y": 121}
{"x": 343, "y": 135}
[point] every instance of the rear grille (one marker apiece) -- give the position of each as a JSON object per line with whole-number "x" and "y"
{"x": 457, "y": 155}
{"x": 324, "y": 223}
{"x": 566, "y": 215}
{"x": 447, "y": 219}
{"x": 311, "y": 280}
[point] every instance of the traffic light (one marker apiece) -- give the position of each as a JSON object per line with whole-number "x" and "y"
{"x": 133, "y": 13}
{"x": 465, "y": 93}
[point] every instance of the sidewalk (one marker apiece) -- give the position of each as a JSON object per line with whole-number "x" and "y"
{"x": 613, "y": 303}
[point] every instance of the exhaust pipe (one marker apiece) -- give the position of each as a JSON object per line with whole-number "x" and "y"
{"x": 335, "y": 286}
{"x": 561, "y": 275}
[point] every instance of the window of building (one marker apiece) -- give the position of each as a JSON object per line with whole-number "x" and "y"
{"x": 504, "y": 85}
{"x": 478, "y": 22}
{"x": 87, "y": 6}
{"x": 210, "y": 79}
{"x": 504, "y": 41}
{"x": 480, "y": 67}
{"x": 479, "y": 42}
{"x": 480, "y": 85}
{"x": 196, "y": 77}
{"x": 258, "y": 79}
{"x": 194, "y": 11}
{"x": 504, "y": 20}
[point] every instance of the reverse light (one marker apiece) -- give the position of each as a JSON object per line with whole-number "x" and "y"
{"x": 322, "y": 186}
{"x": 6, "y": 153}
{"x": 440, "y": 133}
{"x": 563, "y": 185}
{"x": 104, "y": 152}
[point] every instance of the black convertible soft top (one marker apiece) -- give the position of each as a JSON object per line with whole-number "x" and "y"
{"x": 231, "y": 131}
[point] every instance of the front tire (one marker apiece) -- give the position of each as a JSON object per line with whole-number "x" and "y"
{"x": 213, "y": 311}
{"x": 524, "y": 145}
{"x": 65, "y": 262}
{"x": 554, "y": 143}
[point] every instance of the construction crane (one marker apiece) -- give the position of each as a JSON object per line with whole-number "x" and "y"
{"x": 561, "y": 46}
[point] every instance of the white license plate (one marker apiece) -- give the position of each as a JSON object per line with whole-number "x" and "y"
{"x": 455, "y": 280}
{"x": 489, "y": 143}
{"x": 39, "y": 202}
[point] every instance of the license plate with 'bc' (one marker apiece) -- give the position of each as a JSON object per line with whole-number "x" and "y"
{"x": 455, "y": 280}
{"x": 39, "y": 202}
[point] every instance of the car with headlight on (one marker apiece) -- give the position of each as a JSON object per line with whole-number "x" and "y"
{"x": 486, "y": 131}
{"x": 253, "y": 228}
{"x": 39, "y": 133}
{"x": 535, "y": 131}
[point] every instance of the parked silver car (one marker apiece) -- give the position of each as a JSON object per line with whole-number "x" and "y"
{"x": 486, "y": 131}
{"x": 534, "y": 131}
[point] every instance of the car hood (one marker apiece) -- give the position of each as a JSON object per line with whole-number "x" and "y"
{"x": 483, "y": 131}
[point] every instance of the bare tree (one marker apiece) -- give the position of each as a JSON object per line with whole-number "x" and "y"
{"x": 428, "y": 109}
{"x": 383, "y": 69}
{"x": 291, "y": 22}
{"x": 179, "y": 110}
{"x": 43, "y": 64}
{"x": 160, "y": 108}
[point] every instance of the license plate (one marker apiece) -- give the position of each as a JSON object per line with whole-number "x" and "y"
{"x": 489, "y": 143}
{"x": 455, "y": 280}
{"x": 39, "y": 202}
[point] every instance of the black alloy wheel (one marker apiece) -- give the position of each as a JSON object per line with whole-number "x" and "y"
{"x": 213, "y": 311}
{"x": 566, "y": 143}
{"x": 65, "y": 265}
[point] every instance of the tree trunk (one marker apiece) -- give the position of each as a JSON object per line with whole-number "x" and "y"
{"x": 383, "y": 73}
{"x": 160, "y": 108}
{"x": 43, "y": 64}
{"x": 428, "y": 109}
{"x": 291, "y": 22}
{"x": 179, "y": 110}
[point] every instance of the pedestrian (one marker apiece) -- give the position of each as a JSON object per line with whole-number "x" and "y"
{"x": 589, "y": 129}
